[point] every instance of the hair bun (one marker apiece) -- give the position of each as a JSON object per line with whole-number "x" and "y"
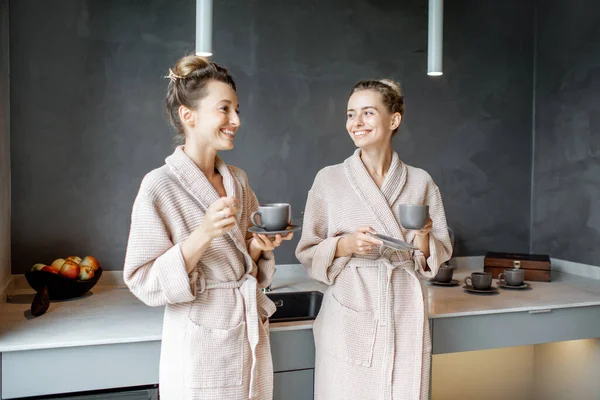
{"x": 393, "y": 84}
{"x": 190, "y": 66}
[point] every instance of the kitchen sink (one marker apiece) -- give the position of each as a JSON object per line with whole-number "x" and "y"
{"x": 295, "y": 306}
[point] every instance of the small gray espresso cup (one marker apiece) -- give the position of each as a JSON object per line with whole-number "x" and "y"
{"x": 512, "y": 277}
{"x": 444, "y": 274}
{"x": 273, "y": 216}
{"x": 479, "y": 280}
{"x": 413, "y": 216}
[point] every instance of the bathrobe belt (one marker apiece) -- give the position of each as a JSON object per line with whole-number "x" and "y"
{"x": 247, "y": 286}
{"x": 386, "y": 267}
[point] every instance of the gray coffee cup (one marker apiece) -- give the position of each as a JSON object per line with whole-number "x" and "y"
{"x": 413, "y": 216}
{"x": 444, "y": 274}
{"x": 479, "y": 280}
{"x": 273, "y": 217}
{"x": 512, "y": 277}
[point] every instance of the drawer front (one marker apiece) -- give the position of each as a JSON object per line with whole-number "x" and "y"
{"x": 146, "y": 394}
{"x": 293, "y": 385}
{"x": 456, "y": 334}
{"x": 48, "y": 371}
{"x": 293, "y": 350}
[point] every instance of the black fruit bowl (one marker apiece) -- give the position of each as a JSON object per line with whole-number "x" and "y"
{"x": 60, "y": 287}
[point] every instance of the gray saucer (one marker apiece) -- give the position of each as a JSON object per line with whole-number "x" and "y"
{"x": 524, "y": 286}
{"x": 395, "y": 244}
{"x": 471, "y": 289}
{"x": 261, "y": 231}
{"x": 453, "y": 282}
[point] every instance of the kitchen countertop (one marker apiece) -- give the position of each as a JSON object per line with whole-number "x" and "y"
{"x": 111, "y": 314}
{"x": 565, "y": 291}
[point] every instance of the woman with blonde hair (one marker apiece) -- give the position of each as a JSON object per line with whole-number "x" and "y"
{"x": 372, "y": 332}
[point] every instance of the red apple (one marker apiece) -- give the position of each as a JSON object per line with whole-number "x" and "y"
{"x": 38, "y": 267}
{"x": 70, "y": 269}
{"x": 90, "y": 261}
{"x": 85, "y": 273}
{"x": 77, "y": 259}
{"x": 52, "y": 269}
{"x": 58, "y": 263}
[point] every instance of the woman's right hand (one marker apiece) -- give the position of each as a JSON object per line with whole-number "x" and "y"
{"x": 359, "y": 242}
{"x": 219, "y": 217}
{"x": 218, "y": 220}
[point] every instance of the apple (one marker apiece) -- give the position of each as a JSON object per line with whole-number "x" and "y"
{"x": 58, "y": 263}
{"x": 85, "y": 273}
{"x": 90, "y": 261}
{"x": 77, "y": 259}
{"x": 37, "y": 267}
{"x": 70, "y": 269}
{"x": 50, "y": 268}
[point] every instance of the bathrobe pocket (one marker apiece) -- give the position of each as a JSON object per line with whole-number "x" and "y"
{"x": 214, "y": 356}
{"x": 344, "y": 333}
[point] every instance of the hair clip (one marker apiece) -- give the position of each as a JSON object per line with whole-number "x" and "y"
{"x": 173, "y": 76}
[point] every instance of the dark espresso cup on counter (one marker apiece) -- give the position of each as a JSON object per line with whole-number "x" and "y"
{"x": 479, "y": 280}
{"x": 512, "y": 277}
{"x": 273, "y": 216}
{"x": 413, "y": 216}
{"x": 444, "y": 274}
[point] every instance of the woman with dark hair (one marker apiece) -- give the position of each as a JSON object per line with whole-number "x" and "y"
{"x": 189, "y": 249}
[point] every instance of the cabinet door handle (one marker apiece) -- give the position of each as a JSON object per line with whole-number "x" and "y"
{"x": 540, "y": 311}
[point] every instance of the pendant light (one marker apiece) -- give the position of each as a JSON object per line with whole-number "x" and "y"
{"x": 204, "y": 16}
{"x": 435, "y": 38}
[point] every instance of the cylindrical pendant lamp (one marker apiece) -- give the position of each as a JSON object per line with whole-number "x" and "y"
{"x": 435, "y": 39}
{"x": 204, "y": 17}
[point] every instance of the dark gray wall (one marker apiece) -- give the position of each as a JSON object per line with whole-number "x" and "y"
{"x": 86, "y": 120}
{"x": 88, "y": 124}
{"x": 4, "y": 148}
{"x": 566, "y": 222}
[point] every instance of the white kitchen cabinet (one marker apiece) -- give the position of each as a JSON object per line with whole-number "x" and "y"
{"x": 122, "y": 365}
{"x": 540, "y": 352}
{"x": 109, "y": 366}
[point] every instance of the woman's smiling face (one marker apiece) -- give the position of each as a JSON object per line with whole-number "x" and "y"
{"x": 369, "y": 122}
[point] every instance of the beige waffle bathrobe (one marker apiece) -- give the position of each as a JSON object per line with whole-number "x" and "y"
{"x": 215, "y": 340}
{"x": 372, "y": 334}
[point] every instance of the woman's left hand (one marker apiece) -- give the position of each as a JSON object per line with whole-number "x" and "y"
{"x": 426, "y": 229}
{"x": 261, "y": 243}
{"x": 422, "y": 239}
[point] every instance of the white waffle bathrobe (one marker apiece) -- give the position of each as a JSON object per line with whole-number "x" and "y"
{"x": 216, "y": 317}
{"x": 372, "y": 334}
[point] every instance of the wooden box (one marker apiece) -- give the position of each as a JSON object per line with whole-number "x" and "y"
{"x": 536, "y": 266}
